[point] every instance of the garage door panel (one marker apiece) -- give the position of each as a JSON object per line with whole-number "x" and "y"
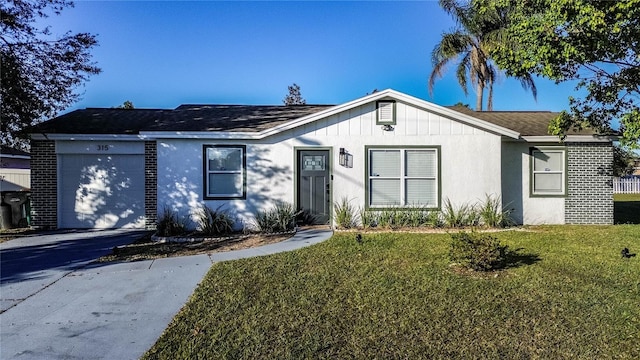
{"x": 101, "y": 191}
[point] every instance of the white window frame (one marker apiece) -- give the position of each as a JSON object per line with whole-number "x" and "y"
{"x": 403, "y": 177}
{"x": 533, "y": 172}
{"x": 242, "y": 172}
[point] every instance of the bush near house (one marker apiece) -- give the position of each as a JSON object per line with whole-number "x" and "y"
{"x": 280, "y": 218}
{"x": 488, "y": 213}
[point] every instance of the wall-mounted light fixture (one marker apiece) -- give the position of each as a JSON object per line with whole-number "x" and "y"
{"x": 345, "y": 159}
{"x": 387, "y": 127}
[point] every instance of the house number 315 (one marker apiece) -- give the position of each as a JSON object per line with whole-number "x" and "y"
{"x": 102, "y": 147}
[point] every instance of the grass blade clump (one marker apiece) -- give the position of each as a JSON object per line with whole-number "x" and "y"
{"x": 214, "y": 222}
{"x": 170, "y": 224}
{"x": 345, "y": 214}
{"x": 492, "y": 214}
{"x": 280, "y": 218}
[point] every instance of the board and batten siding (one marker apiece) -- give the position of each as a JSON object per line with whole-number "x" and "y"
{"x": 470, "y": 160}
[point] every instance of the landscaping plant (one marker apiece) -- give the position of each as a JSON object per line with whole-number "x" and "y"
{"x": 280, "y": 218}
{"x": 214, "y": 222}
{"x": 345, "y": 214}
{"x": 477, "y": 251}
{"x": 170, "y": 224}
{"x": 492, "y": 214}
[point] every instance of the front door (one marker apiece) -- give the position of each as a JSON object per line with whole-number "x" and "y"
{"x": 314, "y": 185}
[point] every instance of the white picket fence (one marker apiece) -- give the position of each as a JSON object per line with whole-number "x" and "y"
{"x": 626, "y": 186}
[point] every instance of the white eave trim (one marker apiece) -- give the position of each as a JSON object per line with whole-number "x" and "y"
{"x": 572, "y": 138}
{"x": 23, "y": 157}
{"x": 89, "y": 137}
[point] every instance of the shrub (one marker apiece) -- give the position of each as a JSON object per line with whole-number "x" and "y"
{"x": 492, "y": 214}
{"x": 214, "y": 222}
{"x": 368, "y": 218}
{"x": 481, "y": 252}
{"x": 281, "y": 218}
{"x": 345, "y": 214}
{"x": 170, "y": 224}
{"x": 464, "y": 215}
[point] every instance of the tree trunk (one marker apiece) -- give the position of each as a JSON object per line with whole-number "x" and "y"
{"x": 490, "y": 97}
{"x": 479, "y": 93}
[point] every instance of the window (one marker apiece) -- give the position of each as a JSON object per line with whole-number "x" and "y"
{"x": 385, "y": 113}
{"x": 224, "y": 171}
{"x": 403, "y": 177}
{"x": 548, "y": 175}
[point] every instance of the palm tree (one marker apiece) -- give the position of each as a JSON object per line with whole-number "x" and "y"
{"x": 471, "y": 43}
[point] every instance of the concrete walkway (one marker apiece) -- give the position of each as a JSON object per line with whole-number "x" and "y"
{"x": 57, "y": 303}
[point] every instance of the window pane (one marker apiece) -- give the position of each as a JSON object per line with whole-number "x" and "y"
{"x": 225, "y": 184}
{"x": 385, "y": 163}
{"x": 420, "y": 192}
{"x": 547, "y": 183}
{"x": 421, "y": 163}
{"x": 224, "y": 159}
{"x": 313, "y": 162}
{"x": 547, "y": 161}
{"x": 385, "y": 192}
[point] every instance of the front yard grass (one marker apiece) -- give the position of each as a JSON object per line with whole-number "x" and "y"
{"x": 567, "y": 294}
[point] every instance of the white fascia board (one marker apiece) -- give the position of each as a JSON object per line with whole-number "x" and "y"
{"x": 205, "y": 135}
{"x": 572, "y": 138}
{"x": 24, "y": 157}
{"x": 89, "y": 137}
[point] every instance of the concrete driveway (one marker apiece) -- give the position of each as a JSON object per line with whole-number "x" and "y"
{"x": 57, "y": 304}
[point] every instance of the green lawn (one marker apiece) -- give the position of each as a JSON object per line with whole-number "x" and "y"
{"x": 626, "y": 208}
{"x": 567, "y": 294}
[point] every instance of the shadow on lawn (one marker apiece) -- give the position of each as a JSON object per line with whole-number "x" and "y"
{"x": 516, "y": 259}
{"x": 626, "y": 212}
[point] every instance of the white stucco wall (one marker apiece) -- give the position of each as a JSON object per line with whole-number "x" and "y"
{"x": 470, "y": 160}
{"x": 516, "y": 189}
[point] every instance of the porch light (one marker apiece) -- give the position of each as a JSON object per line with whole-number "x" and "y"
{"x": 345, "y": 159}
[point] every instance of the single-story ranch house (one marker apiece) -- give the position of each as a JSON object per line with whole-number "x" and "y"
{"x": 116, "y": 168}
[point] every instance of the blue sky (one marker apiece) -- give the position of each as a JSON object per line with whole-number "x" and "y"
{"x": 163, "y": 54}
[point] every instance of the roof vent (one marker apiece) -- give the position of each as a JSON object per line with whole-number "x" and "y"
{"x": 386, "y": 113}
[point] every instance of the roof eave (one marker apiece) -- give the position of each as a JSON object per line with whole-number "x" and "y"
{"x": 88, "y": 137}
{"x": 572, "y": 138}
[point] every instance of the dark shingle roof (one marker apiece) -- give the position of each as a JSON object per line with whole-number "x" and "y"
{"x": 6, "y": 150}
{"x": 527, "y": 123}
{"x": 246, "y": 118}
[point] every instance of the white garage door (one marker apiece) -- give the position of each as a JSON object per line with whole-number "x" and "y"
{"x": 101, "y": 191}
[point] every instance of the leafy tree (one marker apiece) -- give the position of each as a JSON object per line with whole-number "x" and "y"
{"x": 592, "y": 42}
{"x": 294, "y": 97}
{"x": 471, "y": 44}
{"x": 40, "y": 72}
{"x": 128, "y": 105}
{"x": 623, "y": 161}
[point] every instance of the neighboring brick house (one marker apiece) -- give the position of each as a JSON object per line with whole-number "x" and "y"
{"x": 103, "y": 168}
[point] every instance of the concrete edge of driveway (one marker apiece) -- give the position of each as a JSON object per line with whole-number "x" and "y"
{"x": 300, "y": 239}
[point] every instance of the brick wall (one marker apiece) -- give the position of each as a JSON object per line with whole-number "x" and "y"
{"x": 44, "y": 186}
{"x": 590, "y": 193}
{"x": 150, "y": 184}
